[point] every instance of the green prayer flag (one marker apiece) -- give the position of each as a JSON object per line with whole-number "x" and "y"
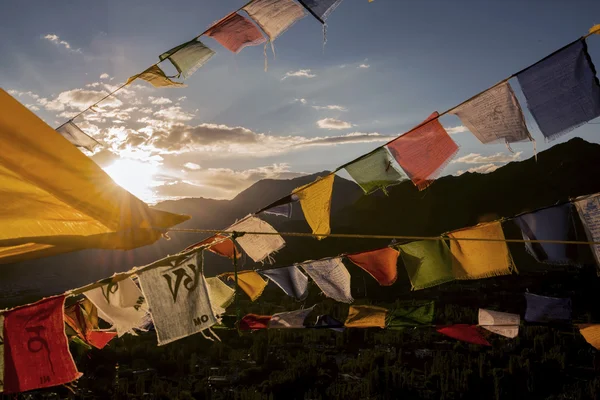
{"x": 188, "y": 57}
{"x": 377, "y": 170}
{"x": 427, "y": 262}
{"x": 410, "y": 316}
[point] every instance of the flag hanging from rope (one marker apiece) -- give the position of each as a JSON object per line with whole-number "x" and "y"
{"x": 427, "y": 262}
{"x": 290, "y": 319}
{"x": 502, "y": 323}
{"x": 465, "y": 333}
{"x": 562, "y": 90}
{"x": 320, "y": 9}
{"x": 188, "y": 57}
{"x": 332, "y": 277}
{"x": 380, "y": 264}
{"x": 81, "y": 324}
{"x": 221, "y": 295}
{"x": 155, "y": 76}
{"x": 222, "y": 246}
{"x": 591, "y": 334}
{"x": 315, "y": 200}
{"x": 366, "y": 317}
{"x": 76, "y": 136}
{"x": 234, "y": 32}
{"x": 258, "y": 247}
{"x": 254, "y": 321}
{"x": 274, "y": 16}
{"x": 547, "y": 309}
{"x": 589, "y": 212}
{"x": 410, "y": 316}
{"x": 290, "y": 279}
{"x": 376, "y": 170}
{"x": 327, "y": 321}
{"x": 250, "y": 282}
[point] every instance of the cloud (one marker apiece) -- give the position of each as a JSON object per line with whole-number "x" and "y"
{"x": 32, "y": 107}
{"x": 332, "y": 123}
{"x": 182, "y": 98}
{"x": 104, "y": 76}
{"x": 302, "y": 101}
{"x": 474, "y": 158}
{"x": 364, "y": 66}
{"x": 159, "y": 100}
{"x": 355, "y": 137}
{"x": 301, "y": 73}
{"x": 457, "y": 129}
{"x": 482, "y": 169}
{"x": 80, "y": 99}
{"x": 174, "y": 113}
{"x": 192, "y": 166}
{"x": 56, "y": 40}
{"x": 332, "y": 107}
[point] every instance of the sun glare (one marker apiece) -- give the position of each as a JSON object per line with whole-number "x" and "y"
{"x": 135, "y": 177}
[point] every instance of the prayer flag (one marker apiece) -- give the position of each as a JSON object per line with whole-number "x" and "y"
{"x": 411, "y": 316}
{"x": 188, "y": 57}
{"x": 220, "y": 294}
{"x": 320, "y": 9}
{"x": 595, "y": 29}
{"x": 477, "y": 259}
{"x": 234, "y": 32}
{"x": 315, "y": 200}
{"x": 554, "y": 223}
{"x": 290, "y": 279}
{"x": 178, "y": 299}
{"x": 156, "y": 77}
{"x": 495, "y": 115}
{"x": 258, "y": 247}
{"x": 562, "y": 90}
{"x": 76, "y": 136}
{"x": 332, "y": 277}
{"x": 502, "y": 323}
{"x": 121, "y": 304}
{"x": 290, "y": 319}
{"x": 380, "y": 264}
{"x": 250, "y": 282}
{"x": 327, "y": 321}
{"x": 424, "y": 151}
{"x": 366, "y": 317}
{"x": 376, "y": 170}
{"x": 222, "y": 246}
{"x": 284, "y": 210}
{"x": 36, "y": 351}
{"x": 91, "y": 312}
{"x": 589, "y": 212}
{"x": 276, "y": 206}
{"x": 274, "y": 16}
{"x": 547, "y": 309}
{"x": 75, "y": 318}
{"x": 427, "y": 262}
{"x": 465, "y": 333}
{"x": 591, "y": 334}
{"x": 254, "y": 321}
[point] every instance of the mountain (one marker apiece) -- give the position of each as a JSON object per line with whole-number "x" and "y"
{"x": 563, "y": 171}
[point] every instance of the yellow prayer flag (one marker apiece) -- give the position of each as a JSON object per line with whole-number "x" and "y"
{"x": 366, "y": 317}
{"x": 155, "y": 76}
{"x": 595, "y": 29}
{"x": 315, "y": 199}
{"x": 591, "y": 334}
{"x": 250, "y": 282}
{"x": 476, "y": 259}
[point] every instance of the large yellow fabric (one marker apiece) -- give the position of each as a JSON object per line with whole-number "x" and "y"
{"x": 480, "y": 259}
{"x": 366, "y": 317}
{"x": 54, "y": 199}
{"x": 250, "y": 282}
{"x": 315, "y": 199}
{"x": 591, "y": 334}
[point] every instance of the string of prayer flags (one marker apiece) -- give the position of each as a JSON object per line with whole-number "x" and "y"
{"x": 380, "y": 264}
{"x": 221, "y": 295}
{"x": 484, "y": 258}
{"x": 376, "y": 170}
{"x": 222, "y": 246}
{"x": 465, "y": 333}
{"x": 290, "y": 279}
{"x": 315, "y": 200}
{"x": 588, "y": 208}
{"x": 290, "y": 319}
{"x": 427, "y": 262}
{"x": 188, "y": 57}
{"x": 179, "y": 300}
{"x": 554, "y": 223}
{"x": 424, "y": 151}
{"x": 495, "y": 115}
{"x": 327, "y": 321}
{"x": 234, "y": 32}
{"x": 155, "y": 76}
{"x": 502, "y": 323}
{"x": 332, "y": 277}
{"x": 250, "y": 282}
{"x": 76, "y": 320}
{"x": 320, "y": 9}
{"x": 547, "y": 309}
{"x": 252, "y": 322}
{"x": 36, "y": 350}
{"x": 366, "y": 317}
{"x": 120, "y": 304}
{"x": 562, "y": 90}
{"x": 274, "y": 16}
{"x": 77, "y": 137}
{"x": 411, "y": 316}
{"x": 258, "y": 247}
{"x": 591, "y": 334}
{"x": 281, "y": 207}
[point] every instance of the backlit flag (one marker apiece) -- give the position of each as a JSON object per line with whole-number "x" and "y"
{"x": 274, "y": 16}
{"x": 427, "y": 262}
{"x": 380, "y": 264}
{"x": 290, "y": 319}
{"x": 366, "y": 317}
{"x": 502, "y": 323}
{"x": 76, "y": 136}
{"x": 188, "y": 57}
{"x": 591, "y": 334}
{"x": 219, "y": 244}
{"x": 410, "y": 316}
{"x": 249, "y": 281}
{"x": 221, "y": 295}
{"x": 258, "y": 247}
{"x": 376, "y": 170}
{"x": 155, "y": 76}
{"x": 315, "y": 200}
{"x": 332, "y": 277}
{"x": 320, "y": 9}
{"x": 290, "y": 279}
{"x": 465, "y": 333}
{"x": 254, "y": 321}
{"x": 589, "y": 212}
{"x": 234, "y": 32}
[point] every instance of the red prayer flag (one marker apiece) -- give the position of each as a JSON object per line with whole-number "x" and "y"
{"x": 380, "y": 264}
{"x": 424, "y": 151}
{"x": 254, "y": 321}
{"x": 36, "y": 350}
{"x": 234, "y": 32}
{"x": 84, "y": 328}
{"x": 464, "y": 332}
{"x": 99, "y": 339}
{"x": 224, "y": 246}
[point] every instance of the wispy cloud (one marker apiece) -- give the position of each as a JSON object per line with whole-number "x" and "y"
{"x": 332, "y": 123}
{"x": 301, "y": 101}
{"x": 332, "y": 107}
{"x": 192, "y": 166}
{"x": 475, "y": 158}
{"x": 80, "y": 99}
{"x": 457, "y": 129}
{"x": 105, "y": 76}
{"x": 57, "y": 41}
{"x": 482, "y": 169}
{"x": 301, "y": 73}
{"x": 364, "y": 66}
{"x": 159, "y": 100}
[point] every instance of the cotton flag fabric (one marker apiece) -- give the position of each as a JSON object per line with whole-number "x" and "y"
{"x": 320, "y": 9}
{"x": 465, "y": 333}
{"x": 327, "y": 321}
{"x": 156, "y": 77}
{"x": 562, "y": 90}
{"x": 290, "y": 319}
{"x": 219, "y": 244}
{"x": 234, "y": 32}
{"x": 79, "y": 322}
{"x": 495, "y": 115}
{"x": 121, "y": 304}
{"x": 366, "y": 317}
{"x": 475, "y": 259}
{"x": 284, "y": 210}
{"x": 250, "y": 282}
{"x": 252, "y": 322}
{"x": 501, "y": 323}
{"x": 547, "y": 309}
{"x": 411, "y": 316}
{"x": 220, "y": 294}
{"x": 380, "y": 264}
{"x": 332, "y": 277}
{"x": 274, "y": 16}
{"x": 554, "y": 223}
{"x": 258, "y": 247}
{"x": 376, "y": 171}
{"x": 424, "y": 151}
{"x": 315, "y": 200}
{"x": 595, "y": 29}
{"x": 77, "y": 137}
{"x": 589, "y": 212}
{"x": 290, "y": 279}
{"x": 591, "y": 334}
{"x": 428, "y": 263}
{"x": 188, "y": 57}
{"x": 36, "y": 352}
{"x": 178, "y": 299}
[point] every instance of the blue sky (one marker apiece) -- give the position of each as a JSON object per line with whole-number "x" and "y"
{"x": 386, "y": 66}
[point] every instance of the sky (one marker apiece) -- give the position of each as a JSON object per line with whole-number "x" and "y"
{"x": 386, "y": 66}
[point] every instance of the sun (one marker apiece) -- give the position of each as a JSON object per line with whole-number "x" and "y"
{"x": 136, "y": 177}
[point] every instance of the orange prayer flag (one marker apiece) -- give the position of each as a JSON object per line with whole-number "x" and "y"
{"x": 223, "y": 245}
{"x": 380, "y": 264}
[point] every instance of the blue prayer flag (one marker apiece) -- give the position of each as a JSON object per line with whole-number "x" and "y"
{"x": 327, "y": 321}
{"x": 290, "y": 279}
{"x": 547, "y": 309}
{"x": 320, "y": 9}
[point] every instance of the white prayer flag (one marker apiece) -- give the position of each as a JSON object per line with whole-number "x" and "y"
{"x": 589, "y": 212}
{"x": 258, "y": 247}
{"x": 290, "y": 319}
{"x": 502, "y": 323}
{"x": 76, "y": 136}
{"x": 274, "y": 16}
{"x": 220, "y": 294}
{"x": 332, "y": 277}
